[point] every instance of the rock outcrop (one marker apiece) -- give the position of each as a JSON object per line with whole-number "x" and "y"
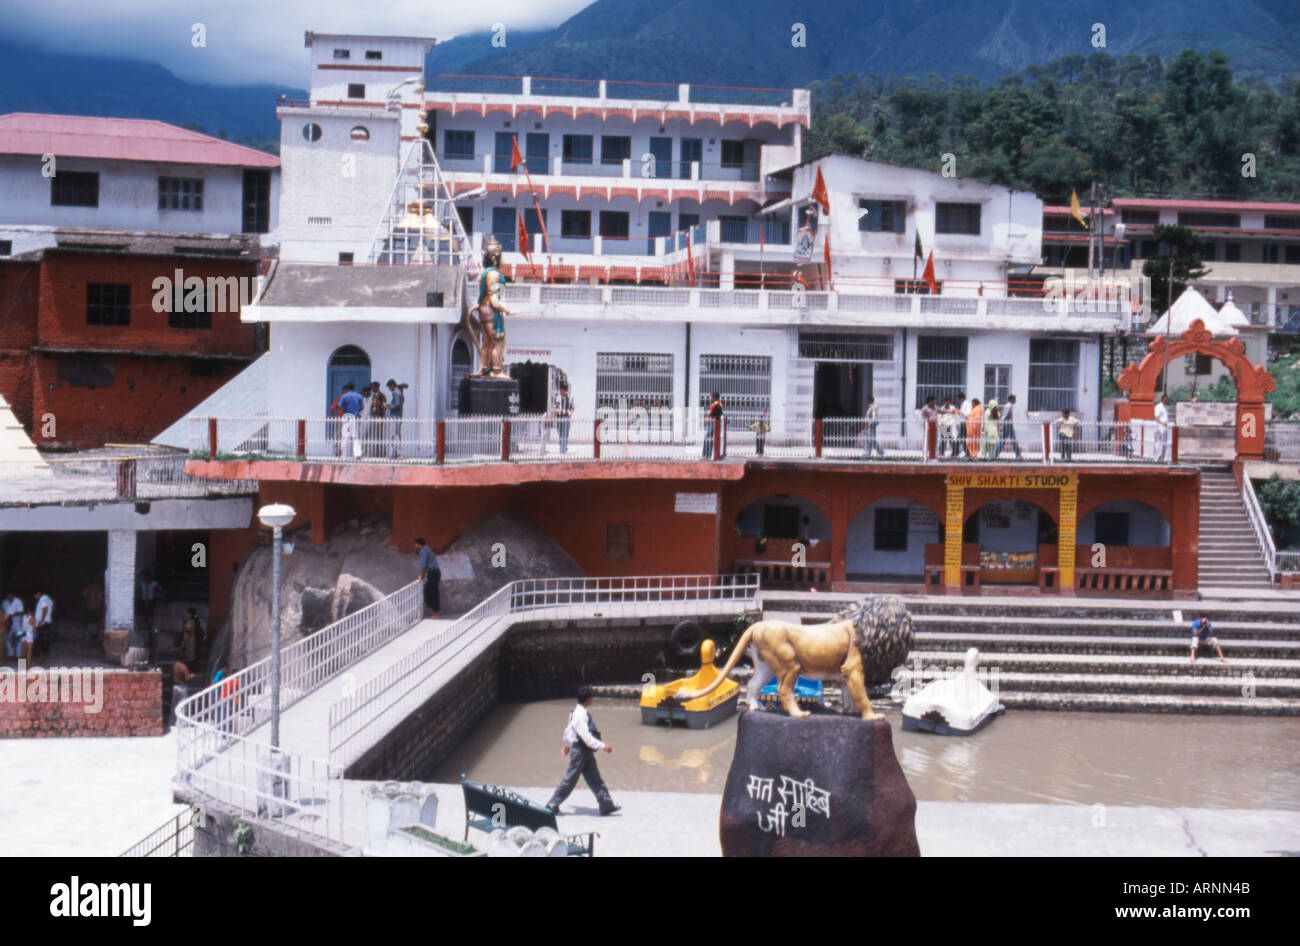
{"x": 357, "y": 566}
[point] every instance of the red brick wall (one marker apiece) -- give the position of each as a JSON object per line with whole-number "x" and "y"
{"x": 148, "y": 393}
{"x": 19, "y": 286}
{"x": 130, "y": 704}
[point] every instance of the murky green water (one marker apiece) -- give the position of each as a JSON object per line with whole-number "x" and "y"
{"x": 1089, "y": 758}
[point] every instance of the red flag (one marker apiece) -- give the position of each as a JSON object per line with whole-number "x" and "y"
{"x": 819, "y": 192}
{"x": 525, "y": 245}
{"x": 690, "y": 258}
{"x": 928, "y": 274}
{"x": 826, "y": 252}
{"x": 516, "y": 158}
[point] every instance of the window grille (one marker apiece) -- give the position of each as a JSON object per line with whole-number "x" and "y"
{"x": 940, "y": 367}
{"x": 836, "y": 346}
{"x": 745, "y": 383}
{"x": 1053, "y": 374}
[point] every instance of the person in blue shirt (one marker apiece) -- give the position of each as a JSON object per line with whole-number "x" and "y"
{"x": 431, "y": 575}
{"x": 1203, "y": 633}
{"x": 350, "y": 403}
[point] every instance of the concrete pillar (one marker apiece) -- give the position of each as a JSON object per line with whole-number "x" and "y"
{"x": 727, "y": 276}
{"x": 119, "y": 583}
{"x": 1270, "y": 316}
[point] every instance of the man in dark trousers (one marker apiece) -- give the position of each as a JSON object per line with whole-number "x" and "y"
{"x": 581, "y": 743}
{"x": 431, "y": 575}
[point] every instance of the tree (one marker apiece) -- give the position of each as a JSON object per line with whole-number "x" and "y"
{"x": 1183, "y": 249}
{"x": 838, "y": 134}
{"x": 1279, "y": 500}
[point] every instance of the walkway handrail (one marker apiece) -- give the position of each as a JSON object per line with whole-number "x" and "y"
{"x": 1263, "y": 534}
{"x": 242, "y": 772}
{"x": 389, "y": 697}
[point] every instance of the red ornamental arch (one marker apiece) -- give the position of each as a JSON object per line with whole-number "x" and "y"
{"x": 1253, "y": 381}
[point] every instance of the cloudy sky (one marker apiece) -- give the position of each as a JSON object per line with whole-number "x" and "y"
{"x": 250, "y": 40}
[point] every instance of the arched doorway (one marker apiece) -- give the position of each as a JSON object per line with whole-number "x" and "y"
{"x": 462, "y": 363}
{"x": 1253, "y": 381}
{"x": 768, "y": 531}
{"x": 1010, "y": 540}
{"x": 886, "y": 541}
{"x": 347, "y": 363}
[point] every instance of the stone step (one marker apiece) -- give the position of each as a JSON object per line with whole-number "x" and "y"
{"x": 823, "y": 605}
{"x": 1150, "y": 664}
{"x": 1147, "y": 703}
{"x": 1096, "y": 627}
{"x": 1079, "y": 644}
{"x": 1189, "y": 684}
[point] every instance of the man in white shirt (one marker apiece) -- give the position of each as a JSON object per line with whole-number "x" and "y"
{"x": 964, "y": 409}
{"x": 11, "y": 610}
{"x": 1162, "y": 428}
{"x": 581, "y": 743}
{"x": 44, "y": 623}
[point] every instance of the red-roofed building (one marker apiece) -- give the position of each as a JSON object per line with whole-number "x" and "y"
{"x": 102, "y": 220}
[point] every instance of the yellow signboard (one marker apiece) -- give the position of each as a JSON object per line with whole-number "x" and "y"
{"x": 958, "y": 483}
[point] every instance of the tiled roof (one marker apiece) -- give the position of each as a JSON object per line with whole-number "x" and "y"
{"x": 121, "y": 139}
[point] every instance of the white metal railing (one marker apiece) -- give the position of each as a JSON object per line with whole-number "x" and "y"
{"x": 668, "y": 436}
{"x": 383, "y": 701}
{"x": 216, "y": 753}
{"x": 124, "y": 476}
{"x": 1282, "y": 442}
{"x": 1263, "y": 535}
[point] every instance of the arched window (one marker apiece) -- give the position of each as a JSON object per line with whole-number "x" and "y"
{"x": 461, "y": 365}
{"x": 347, "y": 363}
{"x": 360, "y": 133}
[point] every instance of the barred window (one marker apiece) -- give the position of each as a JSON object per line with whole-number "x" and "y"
{"x": 997, "y": 383}
{"x": 74, "y": 189}
{"x": 457, "y": 144}
{"x": 190, "y": 309}
{"x": 1053, "y": 374}
{"x": 940, "y": 367}
{"x": 745, "y": 383}
{"x": 957, "y": 218}
{"x": 180, "y": 193}
{"x": 108, "y": 303}
{"x": 845, "y": 346}
{"x": 882, "y": 216}
{"x": 634, "y": 379}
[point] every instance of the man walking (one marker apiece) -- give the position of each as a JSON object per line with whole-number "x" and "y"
{"x": 1008, "y": 434}
{"x": 351, "y": 404}
{"x": 872, "y": 423}
{"x": 581, "y": 743}
{"x": 1203, "y": 633}
{"x": 431, "y": 575}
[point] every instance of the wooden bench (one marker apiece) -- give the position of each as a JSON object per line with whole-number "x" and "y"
{"x": 489, "y": 807}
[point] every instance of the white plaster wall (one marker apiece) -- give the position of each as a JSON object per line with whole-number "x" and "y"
{"x": 128, "y": 196}
{"x": 863, "y": 558}
{"x": 300, "y": 353}
{"x": 119, "y": 585}
{"x": 1146, "y": 526}
{"x": 349, "y": 182}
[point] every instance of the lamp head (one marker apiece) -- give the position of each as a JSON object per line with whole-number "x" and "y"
{"x": 276, "y": 515}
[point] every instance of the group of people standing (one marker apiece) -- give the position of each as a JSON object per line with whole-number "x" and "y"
{"x": 367, "y": 422}
{"x": 971, "y": 429}
{"x": 27, "y": 630}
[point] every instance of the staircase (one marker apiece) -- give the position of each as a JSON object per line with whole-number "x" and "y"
{"x": 1229, "y": 554}
{"x": 1123, "y": 656}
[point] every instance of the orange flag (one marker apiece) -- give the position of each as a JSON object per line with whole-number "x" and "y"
{"x": 928, "y": 275}
{"x": 516, "y": 158}
{"x": 524, "y": 246}
{"x": 826, "y": 252}
{"x": 819, "y": 192}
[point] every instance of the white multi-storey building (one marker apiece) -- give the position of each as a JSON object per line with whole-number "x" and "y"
{"x": 677, "y": 252}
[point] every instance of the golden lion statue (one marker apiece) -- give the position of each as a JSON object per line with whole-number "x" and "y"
{"x": 866, "y": 639}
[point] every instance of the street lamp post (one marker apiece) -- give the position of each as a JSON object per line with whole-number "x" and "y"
{"x": 276, "y": 516}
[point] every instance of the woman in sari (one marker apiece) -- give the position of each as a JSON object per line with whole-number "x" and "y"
{"x": 989, "y": 439}
{"x": 974, "y": 428}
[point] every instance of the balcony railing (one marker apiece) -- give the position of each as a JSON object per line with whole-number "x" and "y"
{"x": 547, "y": 166}
{"x": 617, "y": 89}
{"x": 666, "y": 436}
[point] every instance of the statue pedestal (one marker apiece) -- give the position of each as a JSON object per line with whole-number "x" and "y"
{"x": 822, "y": 786}
{"x": 488, "y": 397}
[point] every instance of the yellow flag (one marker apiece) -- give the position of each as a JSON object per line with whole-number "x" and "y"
{"x": 1076, "y": 211}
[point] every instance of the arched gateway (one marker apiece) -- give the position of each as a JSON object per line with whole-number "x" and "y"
{"x": 1253, "y": 381}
